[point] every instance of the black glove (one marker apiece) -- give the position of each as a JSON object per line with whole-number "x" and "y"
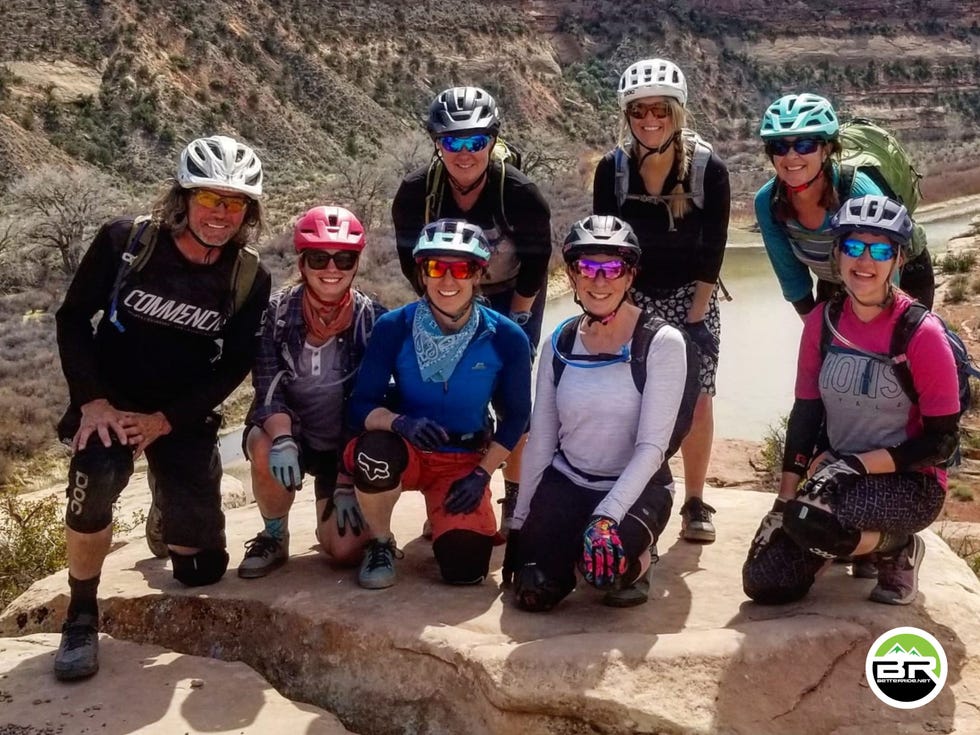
{"x": 512, "y": 556}
{"x": 424, "y": 433}
{"x": 466, "y": 493}
{"x": 703, "y": 338}
{"x": 824, "y": 482}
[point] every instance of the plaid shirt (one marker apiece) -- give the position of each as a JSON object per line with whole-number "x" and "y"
{"x": 281, "y": 338}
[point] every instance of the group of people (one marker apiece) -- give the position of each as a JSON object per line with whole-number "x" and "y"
{"x": 435, "y": 396}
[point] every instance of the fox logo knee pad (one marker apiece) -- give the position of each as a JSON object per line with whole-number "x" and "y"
{"x": 380, "y": 459}
{"x": 196, "y": 570}
{"x": 96, "y": 477}
{"x": 818, "y": 531}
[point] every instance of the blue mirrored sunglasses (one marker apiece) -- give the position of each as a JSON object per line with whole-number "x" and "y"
{"x": 880, "y": 251}
{"x": 803, "y": 146}
{"x": 471, "y": 143}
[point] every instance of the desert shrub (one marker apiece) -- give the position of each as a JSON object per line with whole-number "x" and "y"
{"x": 956, "y": 262}
{"x": 32, "y": 542}
{"x": 957, "y": 291}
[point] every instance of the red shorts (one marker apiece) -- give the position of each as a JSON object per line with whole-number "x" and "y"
{"x": 432, "y": 473}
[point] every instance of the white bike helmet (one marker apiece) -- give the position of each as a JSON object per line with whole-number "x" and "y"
{"x": 652, "y": 78}
{"x": 220, "y": 162}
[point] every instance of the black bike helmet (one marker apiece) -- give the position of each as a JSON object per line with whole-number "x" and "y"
{"x": 602, "y": 235}
{"x": 460, "y": 110}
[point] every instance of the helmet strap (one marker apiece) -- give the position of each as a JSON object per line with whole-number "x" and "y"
{"x": 591, "y": 318}
{"x": 805, "y": 186}
{"x": 464, "y": 190}
{"x": 451, "y": 317}
{"x": 212, "y": 249}
{"x": 654, "y": 151}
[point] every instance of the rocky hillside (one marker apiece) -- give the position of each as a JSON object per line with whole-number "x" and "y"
{"x": 119, "y": 84}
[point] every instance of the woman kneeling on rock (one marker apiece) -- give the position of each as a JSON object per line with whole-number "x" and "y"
{"x": 596, "y": 489}
{"x": 890, "y": 423}
{"x": 449, "y": 358}
{"x": 313, "y": 337}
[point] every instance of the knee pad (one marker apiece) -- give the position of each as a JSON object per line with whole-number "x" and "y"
{"x": 534, "y": 591}
{"x": 96, "y": 477}
{"x": 818, "y": 531}
{"x": 380, "y": 458}
{"x": 463, "y": 556}
{"x": 196, "y": 570}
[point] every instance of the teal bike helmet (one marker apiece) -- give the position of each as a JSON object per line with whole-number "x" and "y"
{"x": 452, "y": 237}
{"x": 800, "y": 114}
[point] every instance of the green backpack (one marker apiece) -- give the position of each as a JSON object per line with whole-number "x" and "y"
{"x": 869, "y": 148}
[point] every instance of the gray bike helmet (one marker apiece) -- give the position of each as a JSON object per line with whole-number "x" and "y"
{"x": 220, "y": 162}
{"x": 462, "y": 110}
{"x": 800, "y": 114}
{"x": 876, "y": 214}
{"x": 601, "y": 235}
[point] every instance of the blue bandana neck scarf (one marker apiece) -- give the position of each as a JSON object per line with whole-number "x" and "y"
{"x": 438, "y": 353}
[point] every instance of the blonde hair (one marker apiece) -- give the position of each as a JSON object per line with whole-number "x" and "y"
{"x": 170, "y": 211}
{"x": 679, "y": 204}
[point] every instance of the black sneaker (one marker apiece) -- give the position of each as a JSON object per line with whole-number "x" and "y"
{"x": 262, "y": 555}
{"x": 696, "y": 522}
{"x": 78, "y": 653}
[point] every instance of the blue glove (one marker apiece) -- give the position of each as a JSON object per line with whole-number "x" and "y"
{"x": 347, "y": 510}
{"x": 603, "y": 556}
{"x": 703, "y": 338}
{"x": 284, "y": 463}
{"x": 466, "y": 493}
{"x": 424, "y": 433}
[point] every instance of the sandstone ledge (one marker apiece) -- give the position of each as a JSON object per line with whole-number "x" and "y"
{"x": 423, "y": 657}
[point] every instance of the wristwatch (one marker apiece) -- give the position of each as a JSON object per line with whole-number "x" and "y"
{"x": 520, "y": 317}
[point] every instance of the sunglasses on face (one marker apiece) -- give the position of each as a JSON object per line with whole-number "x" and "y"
{"x": 610, "y": 269}
{"x": 880, "y": 251}
{"x": 639, "y": 110}
{"x": 471, "y": 143}
{"x": 803, "y": 146}
{"x": 317, "y": 260}
{"x": 211, "y": 200}
{"x": 461, "y": 270}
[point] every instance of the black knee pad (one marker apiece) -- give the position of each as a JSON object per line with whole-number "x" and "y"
{"x": 535, "y": 591}
{"x": 818, "y": 531}
{"x": 775, "y": 595}
{"x": 196, "y": 570}
{"x": 380, "y": 458}
{"x": 96, "y": 477}
{"x": 463, "y": 556}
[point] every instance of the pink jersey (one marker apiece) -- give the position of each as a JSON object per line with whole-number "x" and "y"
{"x": 865, "y": 405}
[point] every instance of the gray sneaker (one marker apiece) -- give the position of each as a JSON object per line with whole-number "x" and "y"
{"x": 638, "y": 592}
{"x": 378, "y": 567}
{"x": 78, "y": 653}
{"x": 898, "y": 574}
{"x": 154, "y": 523}
{"x": 263, "y": 554}
{"x": 696, "y": 522}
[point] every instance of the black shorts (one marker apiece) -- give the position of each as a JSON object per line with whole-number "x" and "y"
{"x": 321, "y": 464}
{"x": 551, "y": 536}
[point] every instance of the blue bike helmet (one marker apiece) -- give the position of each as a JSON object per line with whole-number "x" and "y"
{"x": 800, "y": 114}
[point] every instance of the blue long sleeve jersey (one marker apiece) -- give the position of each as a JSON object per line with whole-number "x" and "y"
{"x": 495, "y": 369}
{"x": 795, "y": 250}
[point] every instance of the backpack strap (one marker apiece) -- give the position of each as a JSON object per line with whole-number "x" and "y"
{"x": 504, "y": 222}
{"x": 139, "y": 246}
{"x": 434, "y": 185}
{"x": 699, "y": 163}
{"x": 622, "y": 180}
{"x": 564, "y": 344}
{"x": 906, "y": 326}
{"x": 645, "y": 330}
{"x": 242, "y": 277}
{"x": 845, "y": 181}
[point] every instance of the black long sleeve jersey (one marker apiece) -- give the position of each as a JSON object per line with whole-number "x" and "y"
{"x": 178, "y": 352}
{"x": 669, "y": 260}
{"x": 525, "y": 211}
